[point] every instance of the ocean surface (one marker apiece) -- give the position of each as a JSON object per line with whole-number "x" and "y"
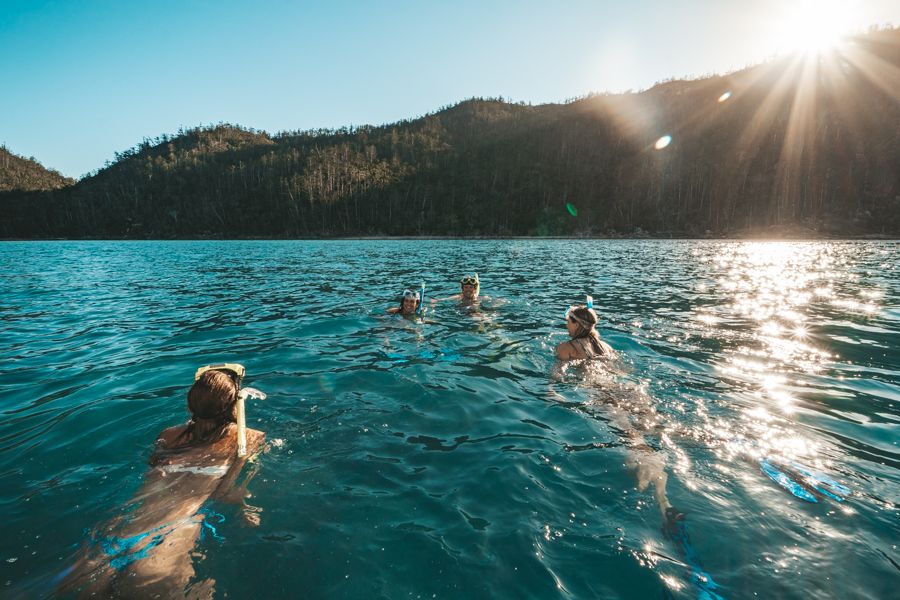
{"x": 452, "y": 456}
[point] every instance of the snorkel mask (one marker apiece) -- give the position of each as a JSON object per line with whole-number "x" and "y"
{"x": 471, "y": 280}
{"x": 237, "y": 372}
{"x": 411, "y": 294}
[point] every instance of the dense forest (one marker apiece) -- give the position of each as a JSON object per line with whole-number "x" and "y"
{"x": 804, "y": 144}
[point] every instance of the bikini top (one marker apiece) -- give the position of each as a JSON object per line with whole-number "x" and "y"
{"x": 210, "y": 471}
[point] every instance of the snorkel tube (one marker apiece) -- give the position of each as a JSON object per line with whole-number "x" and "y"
{"x": 589, "y": 303}
{"x": 237, "y": 371}
{"x": 421, "y": 300}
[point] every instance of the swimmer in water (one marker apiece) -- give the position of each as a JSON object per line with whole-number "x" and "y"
{"x": 147, "y": 551}
{"x": 632, "y": 413}
{"x": 470, "y": 288}
{"x": 410, "y": 304}
{"x": 581, "y": 323}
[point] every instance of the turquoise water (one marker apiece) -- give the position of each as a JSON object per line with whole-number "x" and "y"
{"x": 455, "y": 458}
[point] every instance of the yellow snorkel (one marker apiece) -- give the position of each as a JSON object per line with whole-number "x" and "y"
{"x": 237, "y": 371}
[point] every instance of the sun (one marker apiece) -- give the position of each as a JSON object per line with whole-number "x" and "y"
{"x": 811, "y": 26}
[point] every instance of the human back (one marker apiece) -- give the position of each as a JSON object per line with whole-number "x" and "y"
{"x": 147, "y": 551}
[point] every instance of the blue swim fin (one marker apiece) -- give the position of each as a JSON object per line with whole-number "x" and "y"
{"x": 676, "y": 530}
{"x": 821, "y": 482}
{"x": 782, "y": 479}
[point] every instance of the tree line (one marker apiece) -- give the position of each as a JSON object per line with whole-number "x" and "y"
{"x": 784, "y": 146}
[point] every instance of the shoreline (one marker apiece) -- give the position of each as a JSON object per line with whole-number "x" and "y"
{"x": 736, "y": 237}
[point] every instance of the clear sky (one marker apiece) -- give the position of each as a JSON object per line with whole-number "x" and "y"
{"x": 80, "y": 80}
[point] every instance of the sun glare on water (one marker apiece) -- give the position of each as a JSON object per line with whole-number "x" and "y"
{"x": 813, "y": 27}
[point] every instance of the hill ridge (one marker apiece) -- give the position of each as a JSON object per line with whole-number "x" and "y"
{"x": 797, "y": 143}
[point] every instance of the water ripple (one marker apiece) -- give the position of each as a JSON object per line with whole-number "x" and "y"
{"x": 452, "y": 456}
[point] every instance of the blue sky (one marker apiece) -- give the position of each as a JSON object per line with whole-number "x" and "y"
{"x": 82, "y": 80}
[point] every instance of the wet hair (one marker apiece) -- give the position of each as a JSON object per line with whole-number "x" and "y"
{"x": 211, "y": 401}
{"x": 586, "y": 320}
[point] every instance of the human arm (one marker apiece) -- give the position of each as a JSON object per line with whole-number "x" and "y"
{"x": 230, "y": 492}
{"x": 453, "y": 297}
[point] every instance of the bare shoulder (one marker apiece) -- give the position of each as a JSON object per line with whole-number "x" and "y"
{"x": 168, "y": 437}
{"x": 565, "y": 351}
{"x": 607, "y": 349}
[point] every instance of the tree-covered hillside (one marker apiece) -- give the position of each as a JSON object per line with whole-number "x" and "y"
{"x": 803, "y": 144}
{"x": 26, "y": 174}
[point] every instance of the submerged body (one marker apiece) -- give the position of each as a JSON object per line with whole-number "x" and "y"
{"x": 147, "y": 551}
{"x": 632, "y": 411}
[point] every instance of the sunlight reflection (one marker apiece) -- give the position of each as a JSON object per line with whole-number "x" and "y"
{"x": 671, "y": 582}
{"x": 772, "y": 311}
{"x": 777, "y": 291}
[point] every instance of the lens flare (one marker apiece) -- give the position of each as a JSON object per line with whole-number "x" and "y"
{"x": 663, "y": 142}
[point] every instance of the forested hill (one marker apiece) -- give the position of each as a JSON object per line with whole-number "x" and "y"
{"x": 26, "y": 174}
{"x": 799, "y": 145}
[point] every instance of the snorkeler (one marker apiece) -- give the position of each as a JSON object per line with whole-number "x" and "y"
{"x": 649, "y": 466}
{"x": 410, "y": 303}
{"x": 470, "y": 287}
{"x": 146, "y": 552}
{"x": 634, "y": 414}
{"x": 581, "y": 323}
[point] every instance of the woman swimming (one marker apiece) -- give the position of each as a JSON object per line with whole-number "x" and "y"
{"x": 146, "y": 552}
{"x": 581, "y": 323}
{"x": 630, "y": 410}
{"x": 410, "y": 304}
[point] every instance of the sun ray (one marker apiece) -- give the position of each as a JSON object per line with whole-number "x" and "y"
{"x": 878, "y": 71}
{"x": 797, "y": 148}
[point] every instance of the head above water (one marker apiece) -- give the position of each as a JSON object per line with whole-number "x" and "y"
{"x": 470, "y": 286}
{"x": 213, "y": 395}
{"x": 410, "y": 302}
{"x": 212, "y": 401}
{"x": 581, "y": 321}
